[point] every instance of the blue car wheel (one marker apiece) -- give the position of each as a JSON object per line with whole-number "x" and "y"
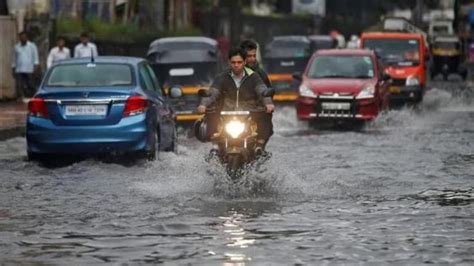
{"x": 152, "y": 153}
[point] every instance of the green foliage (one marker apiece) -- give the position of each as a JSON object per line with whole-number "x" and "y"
{"x": 203, "y": 4}
{"x": 115, "y": 31}
{"x": 65, "y": 26}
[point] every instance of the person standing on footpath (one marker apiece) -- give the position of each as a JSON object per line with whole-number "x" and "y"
{"x": 85, "y": 48}
{"x": 58, "y": 53}
{"x": 25, "y": 65}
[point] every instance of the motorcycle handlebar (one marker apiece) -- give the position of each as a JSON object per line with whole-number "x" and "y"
{"x": 237, "y": 112}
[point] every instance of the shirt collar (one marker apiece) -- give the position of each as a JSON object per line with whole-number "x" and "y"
{"x": 244, "y": 73}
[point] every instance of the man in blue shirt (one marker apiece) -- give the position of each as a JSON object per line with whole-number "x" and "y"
{"x": 25, "y": 64}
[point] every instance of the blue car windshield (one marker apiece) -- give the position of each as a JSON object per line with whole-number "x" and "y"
{"x": 90, "y": 75}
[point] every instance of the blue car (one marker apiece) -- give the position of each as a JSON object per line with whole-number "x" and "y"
{"x": 103, "y": 105}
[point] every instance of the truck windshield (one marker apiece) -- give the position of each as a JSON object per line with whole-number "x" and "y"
{"x": 342, "y": 66}
{"x": 396, "y": 51}
{"x": 447, "y": 45}
{"x": 440, "y": 30}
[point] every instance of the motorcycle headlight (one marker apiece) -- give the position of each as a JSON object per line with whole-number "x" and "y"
{"x": 412, "y": 81}
{"x": 234, "y": 128}
{"x": 305, "y": 91}
{"x": 366, "y": 93}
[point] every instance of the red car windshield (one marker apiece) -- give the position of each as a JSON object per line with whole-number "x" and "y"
{"x": 395, "y": 51}
{"x": 341, "y": 66}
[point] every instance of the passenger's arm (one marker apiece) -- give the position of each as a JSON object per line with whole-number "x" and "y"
{"x": 262, "y": 91}
{"x": 265, "y": 78}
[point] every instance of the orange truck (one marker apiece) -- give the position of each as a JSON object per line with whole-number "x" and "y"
{"x": 404, "y": 55}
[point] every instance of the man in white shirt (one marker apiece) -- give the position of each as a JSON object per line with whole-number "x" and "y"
{"x": 58, "y": 53}
{"x": 25, "y": 64}
{"x": 85, "y": 48}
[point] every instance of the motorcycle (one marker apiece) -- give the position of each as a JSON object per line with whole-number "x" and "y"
{"x": 236, "y": 140}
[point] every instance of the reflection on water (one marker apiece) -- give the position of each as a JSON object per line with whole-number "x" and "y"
{"x": 233, "y": 227}
{"x": 237, "y": 239}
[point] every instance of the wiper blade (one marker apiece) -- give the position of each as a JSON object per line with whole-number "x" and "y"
{"x": 334, "y": 76}
{"x": 62, "y": 84}
{"x": 362, "y": 77}
{"x": 120, "y": 84}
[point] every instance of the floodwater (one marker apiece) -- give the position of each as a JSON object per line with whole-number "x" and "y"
{"x": 400, "y": 191}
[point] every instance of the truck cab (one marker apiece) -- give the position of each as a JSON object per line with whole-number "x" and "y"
{"x": 440, "y": 27}
{"x": 404, "y": 51}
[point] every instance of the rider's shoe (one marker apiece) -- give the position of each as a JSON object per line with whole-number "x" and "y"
{"x": 213, "y": 153}
{"x": 261, "y": 152}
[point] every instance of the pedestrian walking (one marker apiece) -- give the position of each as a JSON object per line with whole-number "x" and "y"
{"x": 85, "y": 48}
{"x": 25, "y": 65}
{"x": 58, "y": 53}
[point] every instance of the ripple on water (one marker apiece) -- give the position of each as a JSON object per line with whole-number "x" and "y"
{"x": 398, "y": 192}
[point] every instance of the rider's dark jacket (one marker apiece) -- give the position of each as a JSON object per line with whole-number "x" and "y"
{"x": 248, "y": 96}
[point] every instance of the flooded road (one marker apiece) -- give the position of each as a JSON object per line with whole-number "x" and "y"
{"x": 400, "y": 191}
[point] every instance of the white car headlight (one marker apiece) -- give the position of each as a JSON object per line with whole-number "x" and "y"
{"x": 234, "y": 128}
{"x": 366, "y": 93}
{"x": 305, "y": 91}
{"x": 412, "y": 81}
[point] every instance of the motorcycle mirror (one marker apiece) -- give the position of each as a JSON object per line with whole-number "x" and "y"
{"x": 176, "y": 92}
{"x": 204, "y": 93}
{"x": 212, "y": 53}
{"x": 297, "y": 76}
{"x": 386, "y": 77}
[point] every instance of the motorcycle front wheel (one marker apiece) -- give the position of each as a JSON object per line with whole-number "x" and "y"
{"x": 234, "y": 166}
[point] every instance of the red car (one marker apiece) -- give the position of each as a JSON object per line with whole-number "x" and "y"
{"x": 347, "y": 84}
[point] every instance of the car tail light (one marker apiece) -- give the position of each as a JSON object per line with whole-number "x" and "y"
{"x": 135, "y": 105}
{"x": 37, "y": 107}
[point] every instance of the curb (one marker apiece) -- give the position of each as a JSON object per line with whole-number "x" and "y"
{"x": 13, "y": 132}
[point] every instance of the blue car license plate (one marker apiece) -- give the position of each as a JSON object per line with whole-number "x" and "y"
{"x": 77, "y": 110}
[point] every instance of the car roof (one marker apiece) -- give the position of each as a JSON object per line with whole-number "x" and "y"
{"x": 446, "y": 39}
{"x": 202, "y": 39}
{"x": 103, "y": 59}
{"x": 391, "y": 35}
{"x": 320, "y": 38}
{"x": 361, "y": 52}
{"x": 298, "y": 38}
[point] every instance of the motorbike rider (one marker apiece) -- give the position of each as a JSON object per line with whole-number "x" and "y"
{"x": 239, "y": 88}
{"x": 250, "y": 47}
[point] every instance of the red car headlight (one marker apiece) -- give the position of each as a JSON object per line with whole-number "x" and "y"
{"x": 306, "y": 91}
{"x": 366, "y": 93}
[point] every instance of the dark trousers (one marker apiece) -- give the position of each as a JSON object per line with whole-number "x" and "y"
{"x": 24, "y": 85}
{"x": 264, "y": 125}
